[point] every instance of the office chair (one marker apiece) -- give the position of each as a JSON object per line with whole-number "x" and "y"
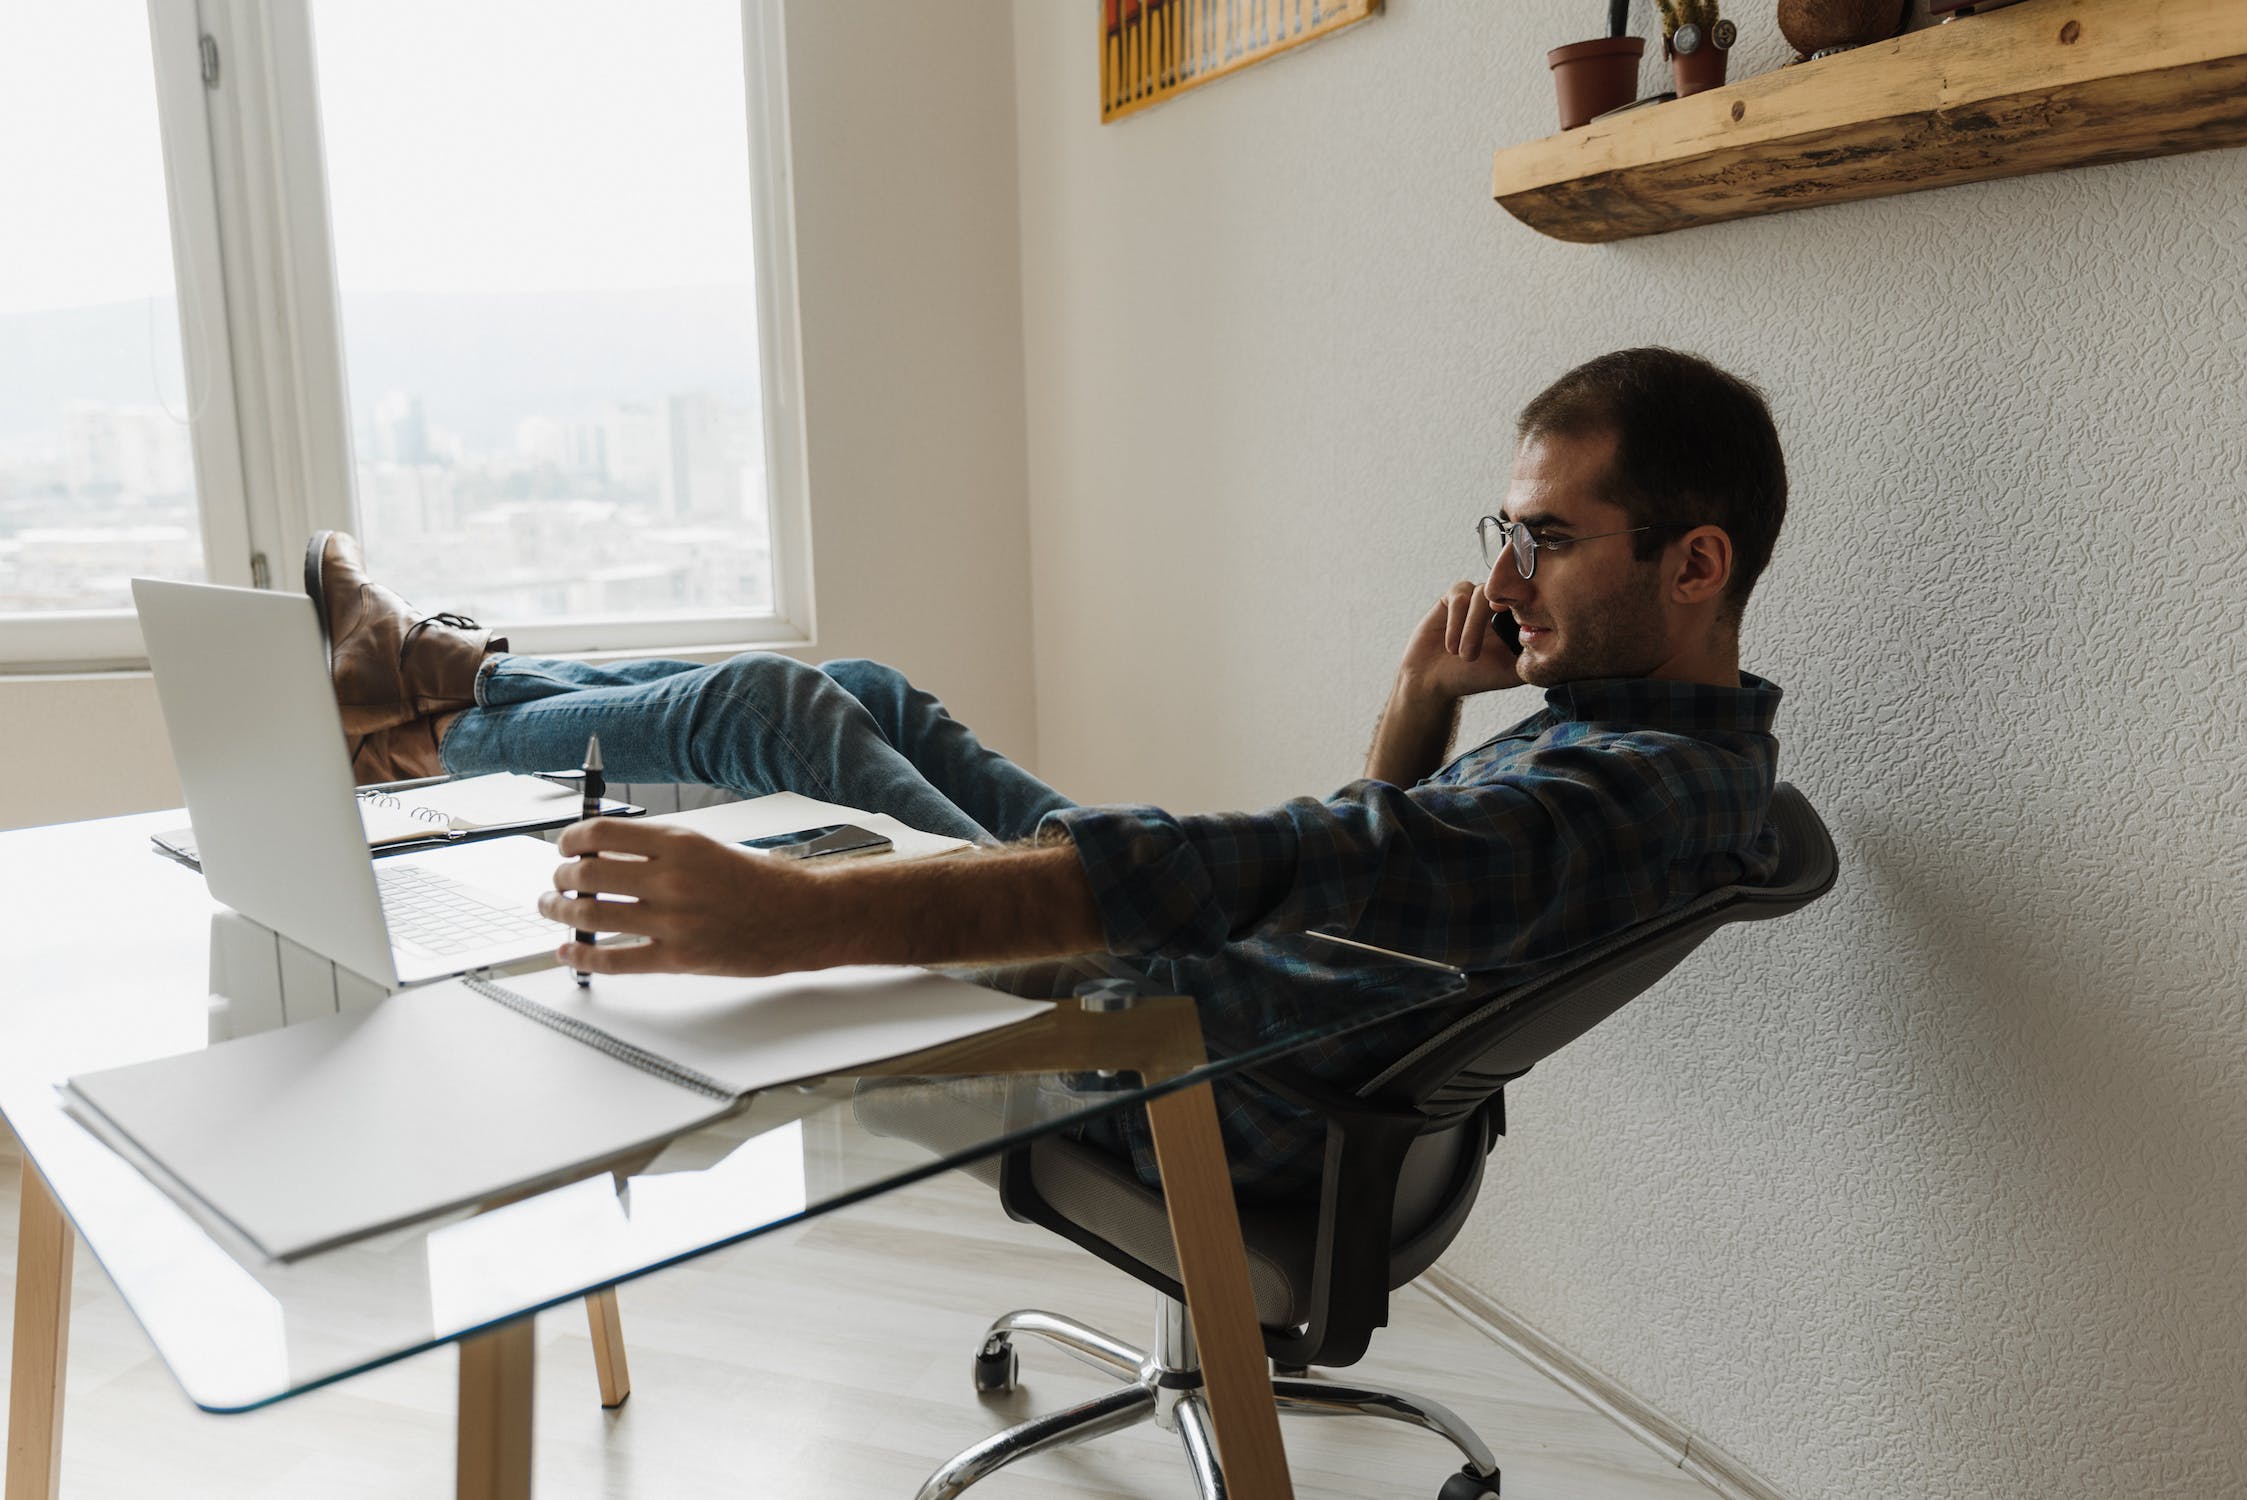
{"x": 1404, "y": 1162}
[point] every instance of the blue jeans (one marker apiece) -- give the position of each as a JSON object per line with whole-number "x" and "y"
{"x": 853, "y": 731}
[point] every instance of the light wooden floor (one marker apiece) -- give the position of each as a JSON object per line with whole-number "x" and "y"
{"x": 755, "y": 1374}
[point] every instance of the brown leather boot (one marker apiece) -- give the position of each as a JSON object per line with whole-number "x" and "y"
{"x": 403, "y": 752}
{"x": 390, "y": 664}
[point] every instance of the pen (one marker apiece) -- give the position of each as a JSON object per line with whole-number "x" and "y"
{"x": 589, "y": 806}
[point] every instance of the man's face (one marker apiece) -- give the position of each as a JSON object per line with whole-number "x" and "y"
{"x": 1592, "y": 610}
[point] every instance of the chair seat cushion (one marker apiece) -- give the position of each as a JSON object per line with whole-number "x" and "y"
{"x": 1100, "y": 1193}
{"x": 1090, "y": 1188}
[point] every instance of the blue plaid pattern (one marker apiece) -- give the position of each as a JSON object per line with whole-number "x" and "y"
{"x": 1623, "y": 798}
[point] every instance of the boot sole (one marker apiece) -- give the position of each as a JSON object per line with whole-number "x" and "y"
{"x": 314, "y": 551}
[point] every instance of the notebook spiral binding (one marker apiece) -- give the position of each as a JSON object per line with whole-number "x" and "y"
{"x": 391, "y": 799}
{"x": 599, "y": 1040}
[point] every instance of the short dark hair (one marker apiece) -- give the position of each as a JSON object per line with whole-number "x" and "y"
{"x": 1694, "y": 446}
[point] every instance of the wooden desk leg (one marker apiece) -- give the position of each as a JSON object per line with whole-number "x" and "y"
{"x": 44, "y": 1243}
{"x": 608, "y": 1347}
{"x": 1206, "y": 1229}
{"x": 495, "y": 1413}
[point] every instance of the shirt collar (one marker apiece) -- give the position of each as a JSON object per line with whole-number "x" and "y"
{"x": 1661, "y": 703}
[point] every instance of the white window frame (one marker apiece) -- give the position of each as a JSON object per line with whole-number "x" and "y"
{"x": 93, "y": 640}
{"x": 262, "y": 337}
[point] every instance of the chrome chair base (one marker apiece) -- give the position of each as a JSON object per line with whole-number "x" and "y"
{"x": 1164, "y": 1385}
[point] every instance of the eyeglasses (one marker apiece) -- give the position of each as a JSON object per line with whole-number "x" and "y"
{"x": 1498, "y": 536}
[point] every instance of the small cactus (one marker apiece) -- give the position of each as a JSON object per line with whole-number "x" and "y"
{"x": 1676, "y": 13}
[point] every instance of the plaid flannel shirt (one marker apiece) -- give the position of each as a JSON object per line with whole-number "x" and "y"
{"x": 1623, "y": 798}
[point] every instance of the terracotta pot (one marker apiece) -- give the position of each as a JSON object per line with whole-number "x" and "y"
{"x": 1815, "y": 25}
{"x": 1591, "y": 78}
{"x": 1702, "y": 68}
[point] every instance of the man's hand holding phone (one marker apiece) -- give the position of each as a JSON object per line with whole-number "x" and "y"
{"x": 1456, "y": 651}
{"x": 1463, "y": 646}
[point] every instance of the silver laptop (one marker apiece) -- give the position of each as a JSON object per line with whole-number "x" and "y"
{"x": 258, "y": 740}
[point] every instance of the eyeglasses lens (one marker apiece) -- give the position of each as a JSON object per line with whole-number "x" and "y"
{"x": 1499, "y": 537}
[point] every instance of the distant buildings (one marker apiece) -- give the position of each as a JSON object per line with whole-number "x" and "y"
{"x": 84, "y": 508}
{"x": 137, "y": 451}
{"x": 399, "y": 431}
{"x": 716, "y": 459}
{"x": 635, "y": 447}
{"x": 643, "y": 506}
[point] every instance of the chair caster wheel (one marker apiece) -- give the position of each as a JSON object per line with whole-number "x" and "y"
{"x": 1468, "y": 1485}
{"x": 996, "y": 1365}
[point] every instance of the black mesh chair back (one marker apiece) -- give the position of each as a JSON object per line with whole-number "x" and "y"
{"x": 1453, "y": 1072}
{"x": 1405, "y": 1151}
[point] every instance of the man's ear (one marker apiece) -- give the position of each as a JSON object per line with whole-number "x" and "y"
{"x": 1702, "y": 564}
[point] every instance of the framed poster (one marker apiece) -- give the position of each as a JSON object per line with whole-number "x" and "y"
{"x": 1152, "y": 49}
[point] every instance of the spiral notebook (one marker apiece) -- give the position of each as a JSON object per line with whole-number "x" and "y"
{"x": 456, "y": 1094}
{"x": 472, "y": 804}
{"x": 432, "y": 815}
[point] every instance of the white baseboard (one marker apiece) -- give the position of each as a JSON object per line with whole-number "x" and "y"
{"x": 1698, "y": 1457}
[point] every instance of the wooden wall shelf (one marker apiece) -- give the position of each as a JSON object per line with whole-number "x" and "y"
{"x": 2031, "y": 88}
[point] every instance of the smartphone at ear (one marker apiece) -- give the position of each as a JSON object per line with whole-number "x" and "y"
{"x": 1507, "y": 629}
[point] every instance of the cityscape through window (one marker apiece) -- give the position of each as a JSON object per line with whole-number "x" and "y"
{"x": 546, "y": 259}
{"x": 97, "y": 478}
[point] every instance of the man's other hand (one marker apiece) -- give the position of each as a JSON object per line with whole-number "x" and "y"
{"x": 702, "y": 907}
{"x": 1454, "y": 653}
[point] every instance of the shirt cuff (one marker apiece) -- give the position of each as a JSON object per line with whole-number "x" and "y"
{"x": 1166, "y": 887}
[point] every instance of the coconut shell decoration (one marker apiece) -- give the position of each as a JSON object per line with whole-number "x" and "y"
{"x": 1815, "y": 26}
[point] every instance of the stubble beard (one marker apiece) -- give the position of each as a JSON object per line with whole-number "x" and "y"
{"x": 1618, "y": 634}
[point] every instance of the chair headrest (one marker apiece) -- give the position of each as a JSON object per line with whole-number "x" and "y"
{"x": 1808, "y": 865}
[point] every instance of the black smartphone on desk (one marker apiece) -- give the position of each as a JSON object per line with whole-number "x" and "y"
{"x": 833, "y": 841}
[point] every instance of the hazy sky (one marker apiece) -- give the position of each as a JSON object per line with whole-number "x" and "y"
{"x": 474, "y": 145}
{"x": 81, "y": 171}
{"x": 535, "y": 145}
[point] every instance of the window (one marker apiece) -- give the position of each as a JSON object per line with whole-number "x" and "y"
{"x": 503, "y": 287}
{"x": 97, "y": 474}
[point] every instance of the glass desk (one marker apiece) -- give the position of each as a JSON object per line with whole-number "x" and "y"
{"x": 111, "y": 956}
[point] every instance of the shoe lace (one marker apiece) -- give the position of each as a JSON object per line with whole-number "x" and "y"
{"x": 443, "y": 617}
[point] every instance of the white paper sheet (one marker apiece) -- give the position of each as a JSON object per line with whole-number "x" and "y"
{"x": 755, "y": 1033}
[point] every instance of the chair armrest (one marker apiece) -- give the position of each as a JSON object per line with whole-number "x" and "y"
{"x": 1365, "y": 1150}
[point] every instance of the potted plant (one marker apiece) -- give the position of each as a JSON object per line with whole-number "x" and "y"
{"x": 1591, "y": 78}
{"x": 1696, "y": 43}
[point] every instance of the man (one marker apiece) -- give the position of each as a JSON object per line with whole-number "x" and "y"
{"x": 1647, "y": 491}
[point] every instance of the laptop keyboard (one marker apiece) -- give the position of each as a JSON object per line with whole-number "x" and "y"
{"x": 441, "y": 916}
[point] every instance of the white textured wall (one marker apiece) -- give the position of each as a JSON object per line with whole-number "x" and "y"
{"x": 1938, "y": 1189}
{"x": 906, "y": 267}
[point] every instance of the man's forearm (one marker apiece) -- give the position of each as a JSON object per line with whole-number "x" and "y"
{"x": 1413, "y": 736}
{"x": 997, "y": 906}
